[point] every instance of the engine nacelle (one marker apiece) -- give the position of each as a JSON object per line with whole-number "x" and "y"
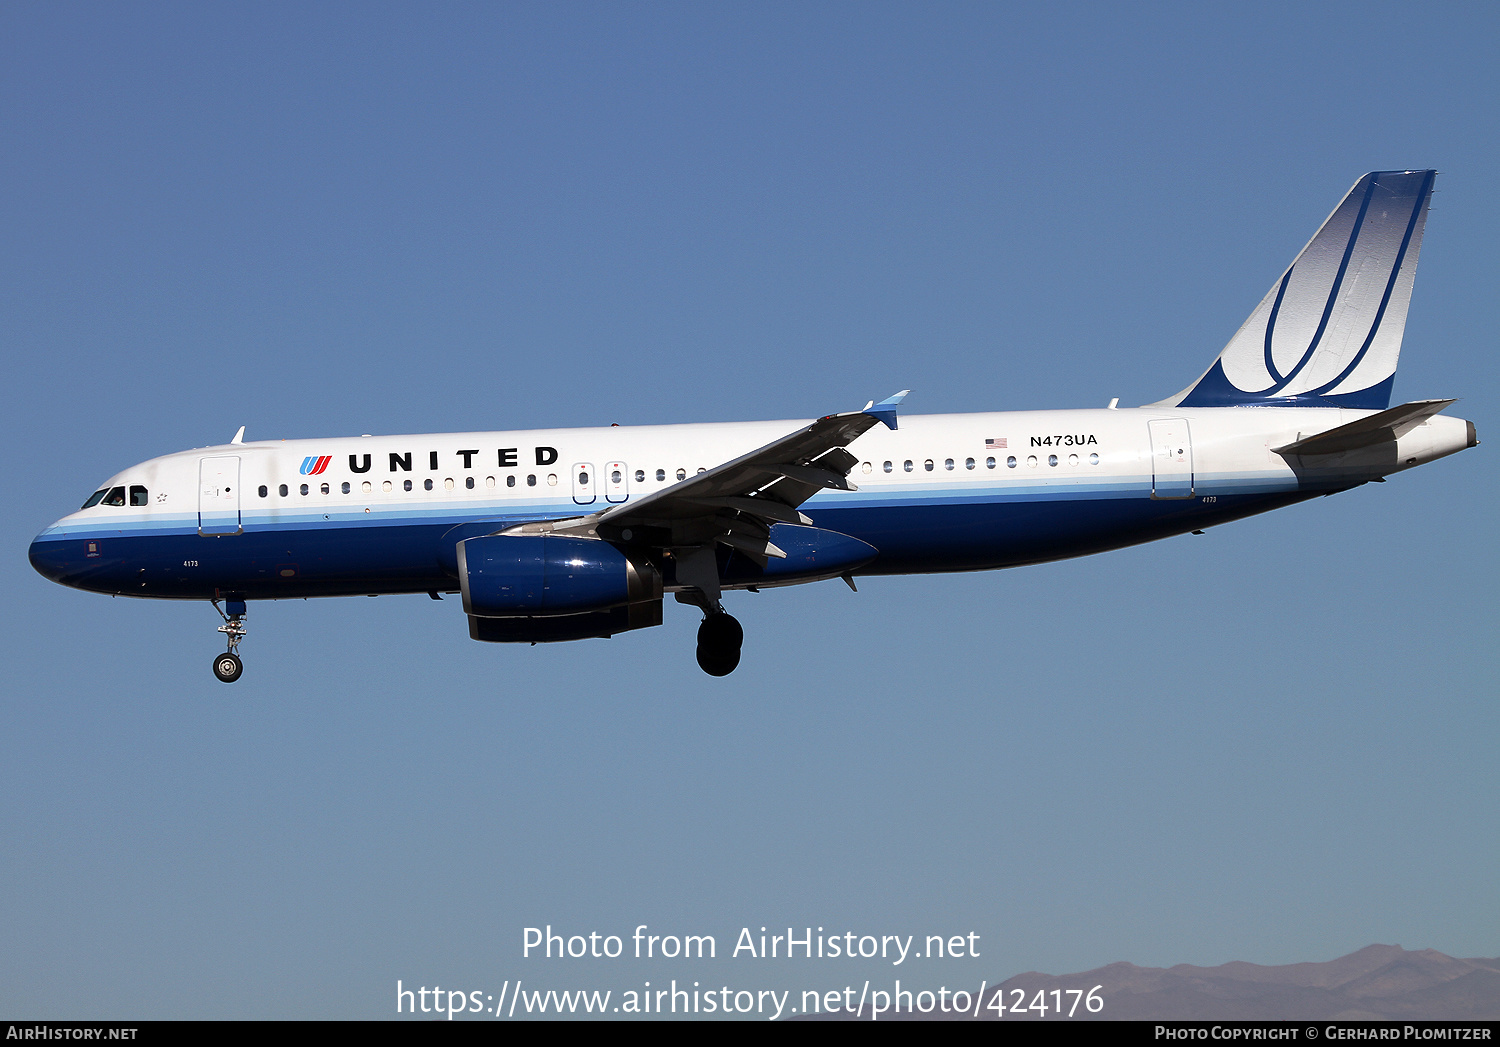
{"x": 547, "y": 575}
{"x": 595, "y": 624}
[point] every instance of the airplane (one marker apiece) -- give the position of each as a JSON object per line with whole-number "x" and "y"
{"x": 569, "y": 534}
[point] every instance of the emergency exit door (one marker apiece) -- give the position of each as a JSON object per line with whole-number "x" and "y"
{"x": 583, "y": 483}
{"x": 616, "y": 482}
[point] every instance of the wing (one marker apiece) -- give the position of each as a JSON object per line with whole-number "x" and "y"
{"x": 736, "y": 503}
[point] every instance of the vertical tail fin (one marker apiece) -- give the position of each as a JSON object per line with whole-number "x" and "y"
{"x": 1328, "y": 334}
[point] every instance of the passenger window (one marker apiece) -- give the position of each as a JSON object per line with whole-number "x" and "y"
{"x": 614, "y": 476}
{"x": 346, "y": 486}
{"x": 968, "y": 463}
{"x": 1093, "y": 459}
{"x": 116, "y": 496}
{"x": 262, "y": 491}
{"x": 1052, "y": 460}
{"x": 469, "y": 482}
{"x": 323, "y": 489}
{"x": 907, "y": 465}
{"x": 531, "y": 479}
{"x": 1010, "y": 463}
{"x": 448, "y": 483}
{"x": 583, "y": 479}
{"x": 427, "y": 484}
{"x": 386, "y": 487}
{"x": 640, "y": 476}
{"x": 304, "y": 488}
{"x": 510, "y": 481}
{"x": 867, "y": 468}
{"x": 97, "y": 495}
{"x": 365, "y": 487}
{"x": 1031, "y": 461}
{"x": 138, "y": 495}
{"x": 948, "y": 464}
{"x": 489, "y": 482}
{"x": 406, "y": 485}
{"x": 928, "y": 465}
{"x": 281, "y": 490}
{"x": 682, "y": 474}
{"x": 661, "y": 474}
{"x": 989, "y": 463}
{"x": 888, "y": 467}
{"x": 551, "y": 479}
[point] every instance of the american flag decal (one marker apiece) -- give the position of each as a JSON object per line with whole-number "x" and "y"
{"x": 996, "y": 445}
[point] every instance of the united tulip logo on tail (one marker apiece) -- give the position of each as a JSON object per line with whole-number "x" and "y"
{"x": 314, "y": 466}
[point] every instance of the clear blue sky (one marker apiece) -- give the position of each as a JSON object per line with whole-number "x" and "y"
{"x": 1275, "y": 742}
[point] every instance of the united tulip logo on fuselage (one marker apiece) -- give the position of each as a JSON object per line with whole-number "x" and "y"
{"x": 315, "y": 466}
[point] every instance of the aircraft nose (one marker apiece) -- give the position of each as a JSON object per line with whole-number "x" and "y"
{"x": 50, "y": 557}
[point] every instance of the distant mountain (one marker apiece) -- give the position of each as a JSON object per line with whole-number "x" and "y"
{"x": 1377, "y": 982}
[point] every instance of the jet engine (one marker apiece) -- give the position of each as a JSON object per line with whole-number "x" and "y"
{"x": 543, "y": 588}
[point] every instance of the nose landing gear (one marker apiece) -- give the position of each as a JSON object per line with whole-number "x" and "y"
{"x": 227, "y": 666}
{"x": 719, "y": 640}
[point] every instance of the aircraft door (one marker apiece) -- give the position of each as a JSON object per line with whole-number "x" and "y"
{"x": 616, "y": 482}
{"x": 219, "y": 495}
{"x": 1171, "y": 458}
{"x": 583, "y": 483}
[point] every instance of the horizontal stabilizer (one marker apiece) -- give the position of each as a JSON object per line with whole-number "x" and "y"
{"x": 1366, "y": 432}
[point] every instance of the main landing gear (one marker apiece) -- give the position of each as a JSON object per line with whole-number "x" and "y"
{"x": 227, "y": 666}
{"x": 719, "y": 640}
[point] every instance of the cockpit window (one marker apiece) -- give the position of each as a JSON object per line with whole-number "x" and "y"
{"x": 116, "y": 496}
{"x": 94, "y": 498}
{"x": 137, "y": 495}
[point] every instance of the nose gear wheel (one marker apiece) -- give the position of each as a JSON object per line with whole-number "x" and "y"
{"x": 227, "y": 666}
